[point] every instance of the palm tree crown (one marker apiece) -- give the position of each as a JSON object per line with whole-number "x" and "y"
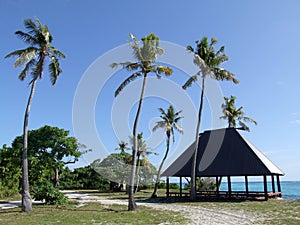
{"x": 232, "y": 114}
{"x": 169, "y": 121}
{"x": 123, "y": 146}
{"x": 146, "y": 56}
{"x": 33, "y": 57}
{"x": 209, "y": 62}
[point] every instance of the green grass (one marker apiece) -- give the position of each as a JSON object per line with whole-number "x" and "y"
{"x": 273, "y": 211}
{"x": 92, "y": 213}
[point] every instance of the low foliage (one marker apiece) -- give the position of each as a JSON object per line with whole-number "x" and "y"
{"x": 51, "y": 195}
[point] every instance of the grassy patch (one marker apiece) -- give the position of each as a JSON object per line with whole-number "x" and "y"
{"x": 91, "y": 213}
{"x": 273, "y": 211}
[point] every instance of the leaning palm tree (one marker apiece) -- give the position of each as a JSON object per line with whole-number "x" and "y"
{"x": 146, "y": 56}
{"x": 33, "y": 58}
{"x": 169, "y": 122}
{"x": 209, "y": 63}
{"x": 232, "y": 114}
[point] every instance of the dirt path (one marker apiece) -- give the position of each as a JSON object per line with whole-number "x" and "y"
{"x": 197, "y": 214}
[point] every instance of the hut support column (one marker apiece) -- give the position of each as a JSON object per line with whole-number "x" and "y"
{"x": 229, "y": 186}
{"x": 247, "y": 187}
{"x": 273, "y": 184}
{"x": 218, "y": 185}
{"x": 265, "y": 187}
{"x": 168, "y": 187}
{"x": 180, "y": 186}
{"x": 278, "y": 185}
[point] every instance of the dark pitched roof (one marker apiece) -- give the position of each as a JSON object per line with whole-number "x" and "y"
{"x": 223, "y": 152}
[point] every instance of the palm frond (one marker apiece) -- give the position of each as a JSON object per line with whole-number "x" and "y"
{"x": 248, "y": 119}
{"x": 27, "y": 55}
{"x": 23, "y": 73}
{"x": 127, "y": 81}
{"x": 37, "y": 70}
{"x": 56, "y": 52}
{"x": 163, "y": 70}
{"x": 205, "y": 70}
{"x": 178, "y": 128}
{"x": 136, "y": 48}
{"x": 27, "y": 38}
{"x": 189, "y": 82}
{"x": 31, "y": 27}
{"x": 122, "y": 64}
{"x": 159, "y": 124}
{"x": 244, "y": 126}
{"x": 54, "y": 69}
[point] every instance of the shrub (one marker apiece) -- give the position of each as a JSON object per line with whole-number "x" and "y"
{"x": 51, "y": 195}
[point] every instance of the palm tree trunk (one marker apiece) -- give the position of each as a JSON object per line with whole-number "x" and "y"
{"x": 154, "y": 194}
{"x": 137, "y": 174}
{"x": 194, "y": 162}
{"x": 131, "y": 201}
{"x": 26, "y": 198}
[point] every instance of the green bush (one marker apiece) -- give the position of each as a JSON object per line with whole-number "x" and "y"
{"x": 51, "y": 195}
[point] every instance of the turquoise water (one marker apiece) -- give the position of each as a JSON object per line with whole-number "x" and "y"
{"x": 290, "y": 189}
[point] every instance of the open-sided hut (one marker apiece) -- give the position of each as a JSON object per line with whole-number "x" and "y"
{"x": 226, "y": 153}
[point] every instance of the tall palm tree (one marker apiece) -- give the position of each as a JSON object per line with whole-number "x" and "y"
{"x": 169, "y": 122}
{"x": 146, "y": 56}
{"x": 123, "y": 146}
{"x": 209, "y": 63}
{"x": 33, "y": 58}
{"x": 232, "y": 114}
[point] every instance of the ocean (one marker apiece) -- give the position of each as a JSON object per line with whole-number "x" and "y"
{"x": 290, "y": 189}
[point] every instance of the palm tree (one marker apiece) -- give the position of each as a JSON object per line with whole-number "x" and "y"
{"x": 209, "y": 63}
{"x": 142, "y": 153}
{"x": 146, "y": 57}
{"x": 123, "y": 146}
{"x": 232, "y": 114}
{"x": 33, "y": 58}
{"x": 169, "y": 122}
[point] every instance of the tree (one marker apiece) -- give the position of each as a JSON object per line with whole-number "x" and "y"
{"x": 142, "y": 159}
{"x": 209, "y": 63}
{"x": 146, "y": 56}
{"x": 50, "y": 149}
{"x": 33, "y": 58}
{"x": 123, "y": 146}
{"x": 169, "y": 122}
{"x": 10, "y": 172}
{"x": 232, "y": 114}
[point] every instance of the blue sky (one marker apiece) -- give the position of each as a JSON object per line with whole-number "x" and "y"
{"x": 260, "y": 38}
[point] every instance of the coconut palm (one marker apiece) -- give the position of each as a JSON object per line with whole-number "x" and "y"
{"x": 169, "y": 122}
{"x": 33, "y": 58}
{"x": 142, "y": 153}
{"x": 232, "y": 114}
{"x": 146, "y": 56}
{"x": 123, "y": 146}
{"x": 209, "y": 63}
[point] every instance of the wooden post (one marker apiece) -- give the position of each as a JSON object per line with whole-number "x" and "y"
{"x": 265, "y": 187}
{"x": 247, "y": 187}
{"x": 278, "y": 185}
{"x": 273, "y": 184}
{"x": 168, "y": 187}
{"x": 218, "y": 186}
{"x": 229, "y": 186}
{"x": 180, "y": 187}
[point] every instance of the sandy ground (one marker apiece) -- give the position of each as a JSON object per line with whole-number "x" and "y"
{"x": 197, "y": 214}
